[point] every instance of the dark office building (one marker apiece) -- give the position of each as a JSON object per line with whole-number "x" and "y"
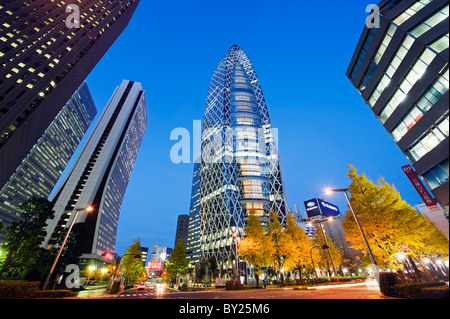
{"x": 401, "y": 71}
{"x": 182, "y": 229}
{"x": 39, "y": 172}
{"x": 43, "y": 62}
{"x": 100, "y": 174}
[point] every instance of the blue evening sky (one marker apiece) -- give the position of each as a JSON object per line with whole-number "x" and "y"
{"x": 300, "y": 51}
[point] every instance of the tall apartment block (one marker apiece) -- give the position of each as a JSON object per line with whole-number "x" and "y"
{"x": 43, "y": 62}
{"x": 401, "y": 70}
{"x": 39, "y": 172}
{"x": 101, "y": 172}
{"x": 240, "y": 169}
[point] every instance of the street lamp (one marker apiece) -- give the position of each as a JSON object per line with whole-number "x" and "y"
{"x": 77, "y": 211}
{"x": 91, "y": 269}
{"x": 345, "y": 190}
{"x": 326, "y": 244}
{"x": 235, "y": 236}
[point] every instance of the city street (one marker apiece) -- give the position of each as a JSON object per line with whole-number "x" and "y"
{"x": 341, "y": 292}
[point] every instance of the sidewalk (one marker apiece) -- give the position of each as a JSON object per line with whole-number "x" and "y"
{"x": 92, "y": 291}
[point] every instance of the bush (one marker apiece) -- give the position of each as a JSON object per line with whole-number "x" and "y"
{"x": 390, "y": 286}
{"x": 233, "y": 285}
{"x": 387, "y": 282}
{"x": 18, "y": 289}
{"x": 421, "y": 291}
{"x": 30, "y": 290}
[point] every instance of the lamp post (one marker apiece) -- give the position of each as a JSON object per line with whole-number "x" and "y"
{"x": 345, "y": 190}
{"x": 326, "y": 244}
{"x": 91, "y": 269}
{"x": 235, "y": 236}
{"x": 77, "y": 211}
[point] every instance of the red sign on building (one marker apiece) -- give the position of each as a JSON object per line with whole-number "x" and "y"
{"x": 418, "y": 185}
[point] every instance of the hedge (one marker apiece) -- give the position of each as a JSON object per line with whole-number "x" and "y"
{"x": 390, "y": 286}
{"x": 235, "y": 285}
{"x": 30, "y": 290}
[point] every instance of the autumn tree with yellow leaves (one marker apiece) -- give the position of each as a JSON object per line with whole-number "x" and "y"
{"x": 390, "y": 223}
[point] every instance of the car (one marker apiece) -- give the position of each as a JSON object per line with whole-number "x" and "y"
{"x": 140, "y": 285}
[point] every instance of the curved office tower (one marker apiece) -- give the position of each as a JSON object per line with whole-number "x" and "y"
{"x": 240, "y": 169}
{"x": 100, "y": 175}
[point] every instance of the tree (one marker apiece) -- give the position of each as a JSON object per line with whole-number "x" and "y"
{"x": 321, "y": 256}
{"x": 300, "y": 257}
{"x": 177, "y": 263}
{"x": 284, "y": 245}
{"x": 389, "y": 223}
{"x": 25, "y": 236}
{"x": 257, "y": 247}
{"x": 133, "y": 269}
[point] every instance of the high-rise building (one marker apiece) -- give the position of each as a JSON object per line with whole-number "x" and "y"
{"x": 158, "y": 259}
{"x": 101, "y": 172}
{"x": 182, "y": 228}
{"x": 400, "y": 68}
{"x": 44, "y": 60}
{"x": 144, "y": 251}
{"x": 193, "y": 235}
{"x": 240, "y": 169}
{"x": 39, "y": 172}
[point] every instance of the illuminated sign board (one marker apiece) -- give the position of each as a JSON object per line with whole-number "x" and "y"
{"x": 154, "y": 265}
{"x": 317, "y": 207}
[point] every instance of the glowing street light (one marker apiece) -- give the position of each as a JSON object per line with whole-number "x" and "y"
{"x": 77, "y": 211}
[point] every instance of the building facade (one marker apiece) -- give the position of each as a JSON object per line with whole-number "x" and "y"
{"x": 44, "y": 60}
{"x": 401, "y": 70}
{"x": 193, "y": 235}
{"x": 101, "y": 172}
{"x": 240, "y": 169}
{"x": 39, "y": 172}
{"x": 158, "y": 259}
{"x": 182, "y": 228}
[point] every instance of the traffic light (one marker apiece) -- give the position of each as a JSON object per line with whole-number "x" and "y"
{"x": 107, "y": 254}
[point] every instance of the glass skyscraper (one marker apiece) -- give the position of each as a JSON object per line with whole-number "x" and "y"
{"x": 40, "y": 170}
{"x": 100, "y": 175}
{"x": 240, "y": 169}
{"x": 401, "y": 70}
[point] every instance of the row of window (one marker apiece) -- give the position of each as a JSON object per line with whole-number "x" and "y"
{"x": 438, "y": 175}
{"x": 403, "y": 17}
{"x": 428, "y": 99}
{"x": 434, "y": 136}
{"x": 411, "y": 78}
{"x": 438, "y": 46}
